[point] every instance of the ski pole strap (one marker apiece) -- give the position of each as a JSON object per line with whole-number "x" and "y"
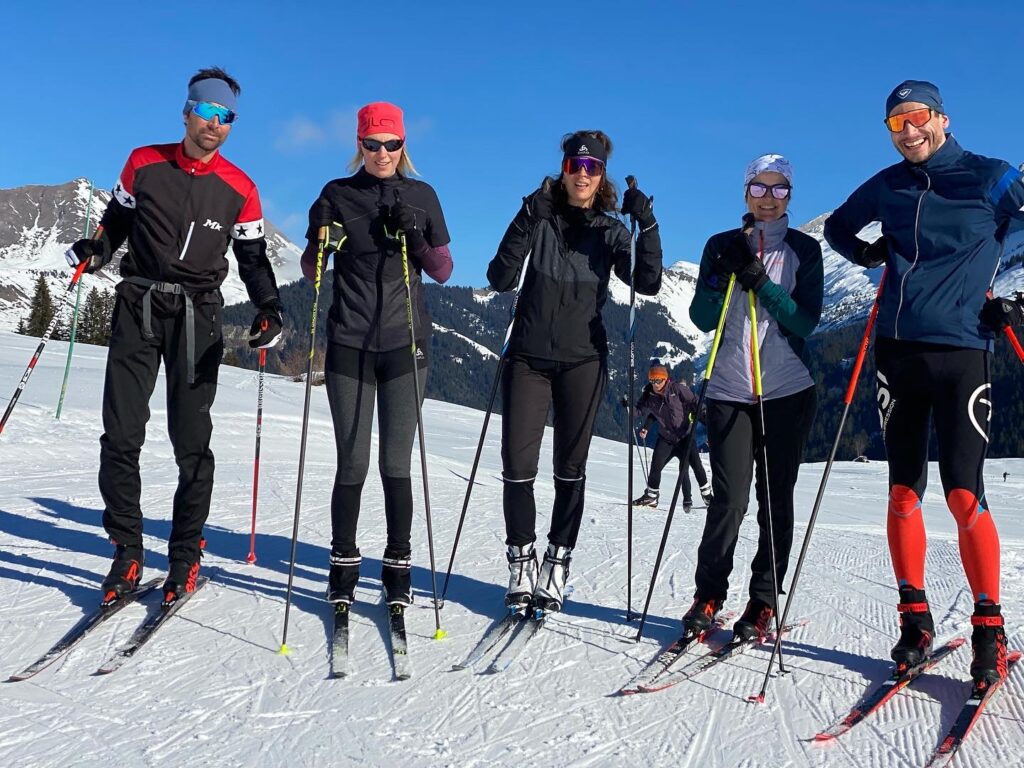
{"x": 190, "y": 316}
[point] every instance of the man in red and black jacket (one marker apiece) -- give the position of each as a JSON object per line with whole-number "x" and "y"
{"x": 178, "y": 206}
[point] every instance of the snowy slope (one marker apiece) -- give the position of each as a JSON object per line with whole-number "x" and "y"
{"x": 39, "y": 223}
{"x": 211, "y": 690}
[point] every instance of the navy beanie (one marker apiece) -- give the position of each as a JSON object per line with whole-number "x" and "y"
{"x": 920, "y": 91}
{"x": 584, "y": 146}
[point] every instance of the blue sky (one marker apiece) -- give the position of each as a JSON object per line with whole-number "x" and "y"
{"x": 689, "y": 92}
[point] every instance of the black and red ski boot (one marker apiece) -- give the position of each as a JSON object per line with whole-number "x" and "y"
{"x": 703, "y": 611}
{"x": 917, "y": 629}
{"x": 125, "y": 572}
{"x": 756, "y": 621}
{"x": 182, "y": 574}
{"x": 988, "y": 642}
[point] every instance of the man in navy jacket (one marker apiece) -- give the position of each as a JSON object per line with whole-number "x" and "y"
{"x": 944, "y": 213}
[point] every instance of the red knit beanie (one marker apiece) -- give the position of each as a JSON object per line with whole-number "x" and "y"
{"x": 380, "y": 117}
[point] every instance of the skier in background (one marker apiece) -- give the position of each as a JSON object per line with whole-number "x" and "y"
{"x": 674, "y": 407}
{"x": 558, "y": 351}
{"x": 944, "y": 212}
{"x": 179, "y": 206}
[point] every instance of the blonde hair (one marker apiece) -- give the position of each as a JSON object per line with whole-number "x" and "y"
{"x": 405, "y": 166}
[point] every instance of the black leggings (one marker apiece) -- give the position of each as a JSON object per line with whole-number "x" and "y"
{"x": 529, "y": 387}
{"x": 664, "y": 452}
{"x": 734, "y": 433}
{"x": 355, "y": 377}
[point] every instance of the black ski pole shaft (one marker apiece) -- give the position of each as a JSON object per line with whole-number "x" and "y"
{"x": 689, "y": 445}
{"x": 847, "y": 400}
{"x": 251, "y": 558}
{"x": 438, "y": 633}
{"x": 46, "y": 337}
{"x": 643, "y": 462}
{"x": 629, "y": 425}
{"x": 487, "y": 419}
{"x": 755, "y": 349}
{"x": 322, "y": 236}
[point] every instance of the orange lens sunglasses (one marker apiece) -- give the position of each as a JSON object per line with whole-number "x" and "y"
{"x": 916, "y": 117}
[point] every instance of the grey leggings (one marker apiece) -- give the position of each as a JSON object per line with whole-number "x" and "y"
{"x": 355, "y": 378}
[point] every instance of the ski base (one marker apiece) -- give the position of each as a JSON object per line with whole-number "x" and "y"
{"x": 899, "y": 680}
{"x": 146, "y": 630}
{"x": 83, "y": 629}
{"x": 339, "y": 642}
{"x": 981, "y": 694}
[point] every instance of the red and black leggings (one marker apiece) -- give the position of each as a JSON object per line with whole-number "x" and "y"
{"x": 952, "y": 386}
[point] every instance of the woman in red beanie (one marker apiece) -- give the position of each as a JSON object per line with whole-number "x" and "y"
{"x": 558, "y": 350}
{"x": 368, "y": 350}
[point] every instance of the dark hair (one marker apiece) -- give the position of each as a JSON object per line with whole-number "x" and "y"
{"x": 216, "y": 73}
{"x": 607, "y": 198}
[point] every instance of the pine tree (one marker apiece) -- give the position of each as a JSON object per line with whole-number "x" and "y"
{"x": 40, "y": 312}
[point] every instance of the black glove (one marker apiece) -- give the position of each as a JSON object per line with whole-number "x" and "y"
{"x": 638, "y": 206}
{"x": 734, "y": 257}
{"x": 265, "y": 330}
{"x": 404, "y": 218}
{"x": 95, "y": 252}
{"x": 873, "y": 254}
{"x": 336, "y": 236}
{"x": 753, "y": 276}
{"x": 999, "y": 313}
{"x": 540, "y": 204}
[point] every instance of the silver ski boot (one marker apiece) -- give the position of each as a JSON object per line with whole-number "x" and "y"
{"x": 522, "y": 567}
{"x": 554, "y": 572}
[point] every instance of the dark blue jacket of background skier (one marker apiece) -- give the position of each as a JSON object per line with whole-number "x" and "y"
{"x": 944, "y": 221}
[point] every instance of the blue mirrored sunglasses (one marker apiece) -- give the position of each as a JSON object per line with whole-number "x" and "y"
{"x": 208, "y": 110}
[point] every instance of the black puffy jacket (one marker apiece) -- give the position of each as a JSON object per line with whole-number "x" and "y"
{"x": 573, "y": 255}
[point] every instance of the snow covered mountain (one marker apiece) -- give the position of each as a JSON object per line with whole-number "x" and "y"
{"x": 38, "y": 223}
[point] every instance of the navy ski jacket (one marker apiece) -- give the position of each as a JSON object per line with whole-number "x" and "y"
{"x": 944, "y": 221}
{"x": 673, "y": 409}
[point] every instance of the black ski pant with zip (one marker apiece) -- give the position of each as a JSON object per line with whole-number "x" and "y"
{"x": 664, "y": 452}
{"x": 133, "y": 362}
{"x": 356, "y": 380}
{"x": 738, "y": 449}
{"x": 529, "y": 387}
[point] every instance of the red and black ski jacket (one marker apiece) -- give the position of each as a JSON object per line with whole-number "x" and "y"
{"x": 179, "y": 215}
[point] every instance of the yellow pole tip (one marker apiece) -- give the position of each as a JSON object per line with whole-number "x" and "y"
{"x": 284, "y": 650}
{"x": 440, "y": 634}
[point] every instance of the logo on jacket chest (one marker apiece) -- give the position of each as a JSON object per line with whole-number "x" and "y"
{"x": 216, "y": 226}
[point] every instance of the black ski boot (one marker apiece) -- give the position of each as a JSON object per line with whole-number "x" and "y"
{"x": 181, "y": 579}
{"x": 703, "y": 611}
{"x": 125, "y": 573}
{"x": 917, "y": 629}
{"x": 341, "y": 583}
{"x": 649, "y": 499}
{"x": 705, "y": 493}
{"x": 988, "y": 642}
{"x": 396, "y": 575}
{"x": 756, "y": 621}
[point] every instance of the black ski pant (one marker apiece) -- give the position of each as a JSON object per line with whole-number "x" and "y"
{"x": 918, "y": 383}
{"x": 133, "y": 362}
{"x": 529, "y": 386}
{"x": 356, "y": 378}
{"x": 664, "y": 452}
{"x": 737, "y": 445}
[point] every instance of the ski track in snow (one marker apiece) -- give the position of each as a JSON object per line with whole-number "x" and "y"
{"x": 212, "y": 687}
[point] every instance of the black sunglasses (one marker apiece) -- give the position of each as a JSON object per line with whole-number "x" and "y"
{"x": 374, "y": 145}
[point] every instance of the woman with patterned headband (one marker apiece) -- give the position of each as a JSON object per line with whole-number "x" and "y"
{"x": 368, "y": 351}
{"x": 783, "y": 267}
{"x": 568, "y": 242}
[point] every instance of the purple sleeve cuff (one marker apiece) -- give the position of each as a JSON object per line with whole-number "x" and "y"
{"x": 437, "y": 262}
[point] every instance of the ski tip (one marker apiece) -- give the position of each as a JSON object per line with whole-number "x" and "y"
{"x": 15, "y": 679}
{"x": 820, "y": 737}
{"x": 440, "y": 634}
{"x": 284, "y": 650}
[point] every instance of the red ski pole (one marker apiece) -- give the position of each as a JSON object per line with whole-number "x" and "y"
{"x": 42, "y": 342}
{"x": 256, "y": 463}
